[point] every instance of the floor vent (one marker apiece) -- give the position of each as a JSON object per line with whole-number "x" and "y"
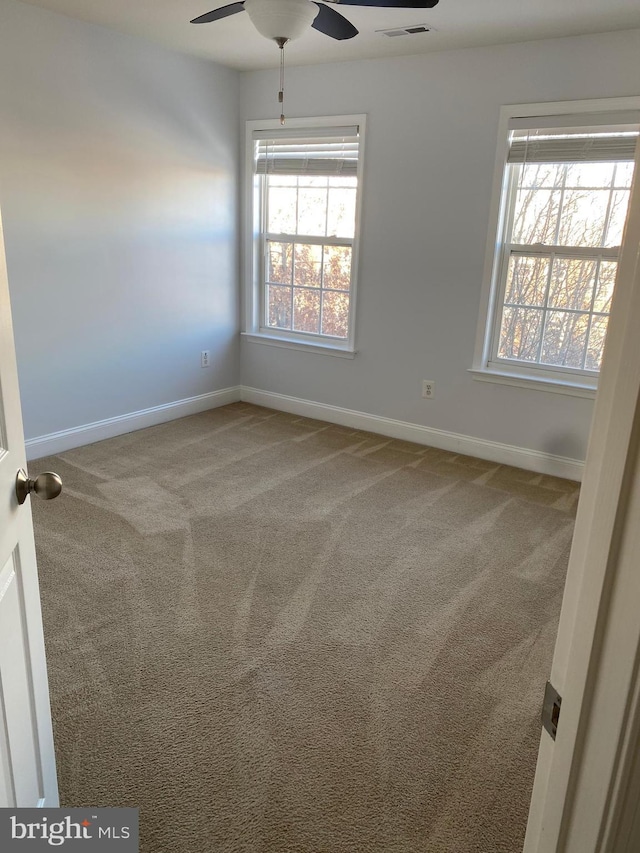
{"x": 406, "y": 31}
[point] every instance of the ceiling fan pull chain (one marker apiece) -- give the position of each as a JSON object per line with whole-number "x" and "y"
{"x": 281, "y": 44}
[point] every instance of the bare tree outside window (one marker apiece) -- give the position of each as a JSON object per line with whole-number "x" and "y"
{"x": 567, "y": 220}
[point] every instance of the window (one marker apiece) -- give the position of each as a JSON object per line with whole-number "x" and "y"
{"x": 565, "y": 194}
{"x": 305, "y": 187}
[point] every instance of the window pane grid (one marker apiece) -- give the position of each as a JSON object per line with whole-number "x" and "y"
{"x": 546, "y": 249}
{"x": 564, "y": 310}
{"x": 319, "y": 206}
{"x": 620, "y": 170}
{"x": 614, "y": 186}
{"x": 563, "y": 229}
{"x": 314, "y": 307}
{"x": 565, "y": 208}
{"x": 570, "y": 340}
{"x": 563, "y": 186}
{"x": 342, "y": 292}
{"x": 546, "y": 303}
{"x": 312, "y": 239}
{"x": 308, "y": 253}
{"x": 287, "y": 311}
{"x": 585, "y": 352}
{"x": 607, "y": 218}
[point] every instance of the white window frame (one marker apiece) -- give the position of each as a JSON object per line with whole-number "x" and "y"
{"x": 558, "y": 380}
{"x": 254, "y": 328}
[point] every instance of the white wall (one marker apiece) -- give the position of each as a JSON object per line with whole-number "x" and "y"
{"x": 118, "y": 187}
{"x": 430, "y": 153}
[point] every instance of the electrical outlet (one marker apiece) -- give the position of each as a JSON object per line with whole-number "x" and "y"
{"x": 428, "y": 389}
{"x": 205, "y": 360}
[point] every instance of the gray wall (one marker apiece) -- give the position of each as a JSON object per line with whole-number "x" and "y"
{"x": 118, "y": 187}
{"x": 429, "y": 162}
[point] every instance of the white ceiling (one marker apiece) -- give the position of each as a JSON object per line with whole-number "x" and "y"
{"x": 234, "y": 42}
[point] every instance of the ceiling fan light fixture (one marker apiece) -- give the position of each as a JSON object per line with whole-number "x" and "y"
{"x": 281, "y": 19}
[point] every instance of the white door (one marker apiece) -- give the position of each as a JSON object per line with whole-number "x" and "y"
{"x": 27, "y": 761}
{"x": 587, "y": 784}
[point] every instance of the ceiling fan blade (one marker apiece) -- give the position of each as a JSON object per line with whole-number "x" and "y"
{"x": 333, "y": 24}
{"x": 392, "y": 4}
{"x": 216, "y": 14}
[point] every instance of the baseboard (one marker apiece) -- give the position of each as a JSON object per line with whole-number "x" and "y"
{"x": 505, "y": 454}
{"x": 66, "y": 439}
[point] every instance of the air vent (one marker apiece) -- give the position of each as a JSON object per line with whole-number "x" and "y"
{"x": 412, "y": 30}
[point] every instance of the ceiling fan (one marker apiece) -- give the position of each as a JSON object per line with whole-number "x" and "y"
{"x": 284, "y": 20}
{"x": 287, "y": 19}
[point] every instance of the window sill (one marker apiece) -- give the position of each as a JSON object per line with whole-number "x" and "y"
{"x": 285, "y": 343}
{"x": 520, "y": 380}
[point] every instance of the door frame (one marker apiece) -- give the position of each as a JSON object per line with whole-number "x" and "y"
{"x": 586, "y": 784}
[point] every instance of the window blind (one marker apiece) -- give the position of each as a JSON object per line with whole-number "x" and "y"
{"x": 328, "y": 151}
{"x": 573, "y": 145}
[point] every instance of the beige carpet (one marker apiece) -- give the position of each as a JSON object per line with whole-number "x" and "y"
{"x": 274, "y": 635}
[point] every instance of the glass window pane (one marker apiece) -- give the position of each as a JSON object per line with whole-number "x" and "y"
{"x": 308, "y": 265}
{"x": 536, "y": 216}
{"x": 341, "y": 215}
{"x": 312, "y": 181}
{"x": 572, "y": 283}
{"x": 520, "y": 332}
{"x": 604, "y": 289}
{"x": 624, "y": 175}
{"x": 335, "y": 314}
{"x": 306, "y": 310}
{"x": 589, "y": 175}
{"x": 343, "y": 181}
{"x": 619, "y": 205}
{"x": 279, "y": 307}
{"x": 281, "y": 203}
{"x": 312, "y": 212}
{"x": 336, "y": 271}
{"x": 538, "y": 175}
{"x": 583, "y": 217}
{"x": 279, "y": 267}
{"x": 564, "y": 340}
{"x": 282, "y": 180}
{"x": 595, "y": 347}
{"x": 527, "y": 280}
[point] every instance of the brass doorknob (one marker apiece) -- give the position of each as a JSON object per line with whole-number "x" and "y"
{"x": 46, "y": 486}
